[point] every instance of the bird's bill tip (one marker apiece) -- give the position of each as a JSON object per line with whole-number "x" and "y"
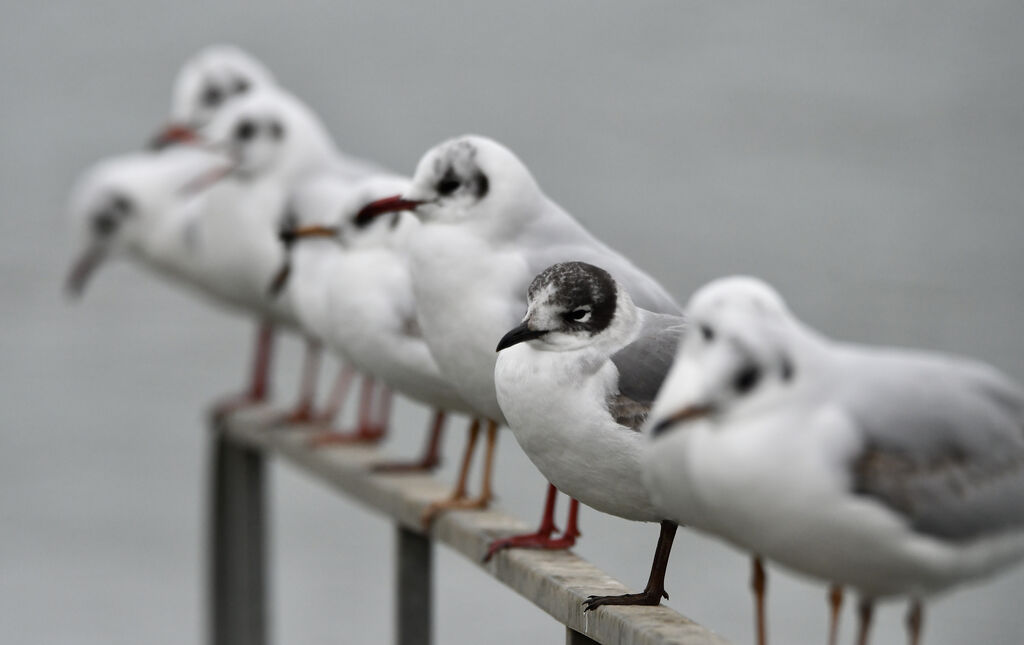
{"x": 280, "y": 280}
{"x": 171, "y": 134}
{"x": 375, "y": 209}
{"x": 518, "y": 334}
{"x": 82, "y": 270}
{"x": 689, "y": 413}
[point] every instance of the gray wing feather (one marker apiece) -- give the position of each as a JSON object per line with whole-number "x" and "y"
{"x": 943, "y": 443}
{"x": 643, "y": 366}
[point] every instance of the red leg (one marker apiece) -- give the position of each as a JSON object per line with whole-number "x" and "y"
{"x": 259, "y": 384}
{"x": 758, "y": 582}
{"x": 431, "y": 456}
{"x": 865, "y": 610}
{"x": 655, "y": 590}
{"x": 539, "y": 539}
{"x": 364, "y": 432}
{"x": 835, "y": 603}
{"x": 915, "y": 621}
{"x": 339, "y": 393}
{"x": 384, "y": 399}
{"x": 303, "y": 410}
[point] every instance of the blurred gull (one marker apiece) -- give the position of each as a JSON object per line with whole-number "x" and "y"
{"x": 575, "y": 380}
{"x": 208, "y": 81}
{"x": 895, "y": 472}
{"x": 487, "y": 231}
{"x": 354, "y": 290}
{"x": 275, "y": 143}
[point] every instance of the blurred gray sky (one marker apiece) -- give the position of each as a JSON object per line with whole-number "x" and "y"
{"x": 865, "y": 158}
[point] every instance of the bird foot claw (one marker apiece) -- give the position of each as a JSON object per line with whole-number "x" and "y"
{"x": 645, "y": 598}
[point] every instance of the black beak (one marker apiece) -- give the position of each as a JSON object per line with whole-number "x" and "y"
{"x": 517, "y": 335}
{"x": 683, "y": 416}
{"x": 82, "y": 270}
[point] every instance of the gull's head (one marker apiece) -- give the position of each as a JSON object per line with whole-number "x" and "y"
{"x": 209, "y": 81}
{"x": 734, "y": 351}
{"x": 255, "y": 133}
{"x": 569, "y": 305}
{"x": 468, "y": 180}
{"x": 325, "y": 207}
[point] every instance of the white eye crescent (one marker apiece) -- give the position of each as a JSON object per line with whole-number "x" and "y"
{"x": 580, "y": 314}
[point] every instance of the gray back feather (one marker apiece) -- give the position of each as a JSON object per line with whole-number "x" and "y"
{"x": 943, "y": 442}
{"x": 643, "y": 366}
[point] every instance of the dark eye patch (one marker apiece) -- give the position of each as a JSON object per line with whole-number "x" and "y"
{"x": 212, "y": 96}
{"x": 449, "y": 183}
{"x": 105, "y": 223}
{"x": 245, "y": 130}
{"x": 241, "y": 86}
{"x": 747, "y": 379}
{"x": 707, "y": 333}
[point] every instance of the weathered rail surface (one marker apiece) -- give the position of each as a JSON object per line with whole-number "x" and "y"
{"x": 557, "y": 582}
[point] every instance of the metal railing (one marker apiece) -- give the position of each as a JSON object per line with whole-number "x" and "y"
{"x": 557, "y": 582}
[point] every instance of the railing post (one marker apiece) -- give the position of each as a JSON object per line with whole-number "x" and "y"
{"x": 573, "y": 637}
{"x": 413, "y": 588}
{"x": 237, "y": 547}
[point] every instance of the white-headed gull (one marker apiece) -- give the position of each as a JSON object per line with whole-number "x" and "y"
{"x": 354, "y": 290}
{"x": 897, "y": 473}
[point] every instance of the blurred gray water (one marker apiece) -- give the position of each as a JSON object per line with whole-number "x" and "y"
{"x": 865, "y": 158}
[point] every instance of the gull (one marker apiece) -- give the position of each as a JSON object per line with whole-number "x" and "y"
{"x": 133, "y": 206}
{"x": 487, "y": 230}
{"x": 354, "y": 290}
{"x": 275, "y": 143}
{"x": 575, "y": 380}
{"x": 211, "y": 79}
{"x": 893, "y": 472}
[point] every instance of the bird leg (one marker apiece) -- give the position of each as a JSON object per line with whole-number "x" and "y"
{"x": 655, "y": 590}
{"x": 864, "y": 610}
{"x": 431, "y": 456}
{"x": 835, "y": 603}
{"x": 541, "y": 538}
{"x": 365, "y": 432}
{"x": 336, "y": 401}
{"x": 384, "y": 398}
{"x": 759, "y": 582}
{"x": 458, "y": 499}
{"x": 915, "y": 621}
{"x": 259, "y": 385}
{"x": 303, "y": 410}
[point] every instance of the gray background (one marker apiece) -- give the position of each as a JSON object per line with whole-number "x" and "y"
{"x": 865, "y": 158}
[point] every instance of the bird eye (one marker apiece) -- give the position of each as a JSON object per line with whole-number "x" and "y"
{"x": 121, "y": 205}
{"x": 580, "y": 314}
{"x": 104, "y": 224}
{"x": 241, "y": 86}
{"x": 276, "y": 130}
{"x": 212, "y": 96}
{"x": 747, "y": 379}
{"x": 245, "y": 130}
{"x": 448, "y": 185}
{"x": 787, "y": 369}
{"x": 707, "y": 333}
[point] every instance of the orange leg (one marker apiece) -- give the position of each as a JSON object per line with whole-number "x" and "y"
{"x": 431, "y": 457}
{"x": 259, "y": 383}
{"x": 458, "y": 499}
{"x": 835, "y": 603}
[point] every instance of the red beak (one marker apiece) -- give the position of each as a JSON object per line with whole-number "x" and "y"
{"x": 394, "y": 204}
{"x": 173, "y": 134}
